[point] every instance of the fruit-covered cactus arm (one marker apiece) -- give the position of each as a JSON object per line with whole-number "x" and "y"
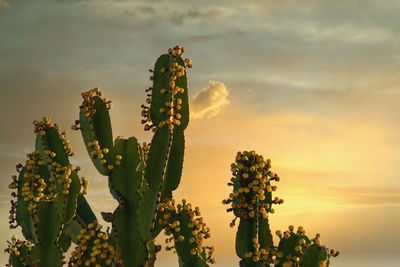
{"x": 95, "y": 125}
{"x": 48, "y": 227}
{"x": 188, "y": 231}
{"x": 94, "y": 248}
{"x": 168, "y": 114}
{"x": 55, "y": 147}
{"x": 18, "y": 250}
{"x": 251, "y": 201}
{"x": 19, "y": 212}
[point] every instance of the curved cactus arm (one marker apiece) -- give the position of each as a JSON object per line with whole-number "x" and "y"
{"x": 188, "y": 232}
{"x": 154, "y": 173}
{"x": 48, "y": 226}
{"x": 125, "y": 181}
{"x": 95, "y": 125}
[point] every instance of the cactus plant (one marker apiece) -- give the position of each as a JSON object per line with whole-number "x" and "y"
{"x": 52, "y": 210}
{"x": 53, "y": 213}
{"x": 251, "y": 201}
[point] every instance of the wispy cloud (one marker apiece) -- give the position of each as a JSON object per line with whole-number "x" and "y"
{"x": 209, "y": 100}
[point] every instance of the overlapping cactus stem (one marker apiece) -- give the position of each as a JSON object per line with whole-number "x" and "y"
{"x": 93, "y": 249}
{"x": 293, "y": 245}
{"x": 37, "y": 187}
{"x": 188, "y": 230}
{"x": 173, "y": 106}
{"x": 89, "y": 109}
{"x": 18, "y": 250}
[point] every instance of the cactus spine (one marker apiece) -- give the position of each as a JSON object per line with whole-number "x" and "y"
{"x": 251, "y": 201}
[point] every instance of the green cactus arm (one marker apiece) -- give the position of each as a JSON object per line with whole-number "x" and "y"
{"x": 182, "y": 97}
{"x": 95, "y": 126}
{"x": 154, "y": 173}
{"x": 159, "y": 93}
{"x": 125, "y": 181}
{"x": 23, "y": 217}
{"x": 84, "y": 213}
{"x": 48, "y": 226}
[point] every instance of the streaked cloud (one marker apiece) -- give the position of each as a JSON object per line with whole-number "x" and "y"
{"x": 210, "y": 100}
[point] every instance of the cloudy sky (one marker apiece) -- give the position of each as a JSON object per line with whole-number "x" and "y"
{"x": 312, "y": 85}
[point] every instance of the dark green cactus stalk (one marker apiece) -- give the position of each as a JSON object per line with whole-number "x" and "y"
{"x": 251, "y": 201}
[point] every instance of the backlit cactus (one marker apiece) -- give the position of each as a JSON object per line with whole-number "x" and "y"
{"x": 251, "y": 201}
{"x": 50, "y": 206}
{"x": 48, "y": 189}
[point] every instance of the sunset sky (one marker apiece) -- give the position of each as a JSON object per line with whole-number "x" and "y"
{"x": 312, "y": 85}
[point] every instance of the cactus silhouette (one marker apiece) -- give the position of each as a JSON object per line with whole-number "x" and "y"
{"x": 251, "y": 201}
{"x": 51, "y": 208}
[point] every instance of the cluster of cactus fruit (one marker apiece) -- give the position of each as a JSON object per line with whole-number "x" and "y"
{"x": 251, "y": 201}
{"x": 53, "y": 213}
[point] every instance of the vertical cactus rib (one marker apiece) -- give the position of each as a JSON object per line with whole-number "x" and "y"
{"x": 48, "y": 226}
{"x": 95, "y": 125}
{"x": 125, "y": 181}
